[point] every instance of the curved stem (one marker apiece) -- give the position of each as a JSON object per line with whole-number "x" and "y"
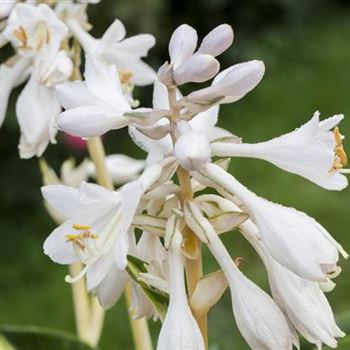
{"x": 140, "y": 330}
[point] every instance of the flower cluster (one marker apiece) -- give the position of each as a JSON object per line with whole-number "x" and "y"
{"x": 148, "y": 233}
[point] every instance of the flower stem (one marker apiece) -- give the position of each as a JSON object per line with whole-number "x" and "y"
{"x": 193, "y": 265}
{"x": 140, "y": 330}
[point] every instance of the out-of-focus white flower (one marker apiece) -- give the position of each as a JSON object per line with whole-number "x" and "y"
{"x": 113, "y": 48}
{"x": 302, "y": 301}
{"x": 30, "y": 28}
{"x": 294, "y": 239}
{"x": 179, "y": 330}
{"x": 258, "y": 318}
{"x": 37, "y": 106}
{"x": 9, "y": 78}
{"x": 312, "y": 151}
{"x": 95, "y": 105}
{"x": 188, "y": 66}
{"x": 6, "y": 8}
{"x": 121, "y": 168}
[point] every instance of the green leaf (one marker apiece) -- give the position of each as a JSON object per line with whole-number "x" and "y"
{"x": 38, "y": 338}
{"x": 158, "y": 298}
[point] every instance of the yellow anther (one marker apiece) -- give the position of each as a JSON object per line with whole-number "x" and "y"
{"x": 79, "y": 227}
{"x": 88, "y": 234}
{"x": 22, "y": 36}
{"x": 125, "y": 76}
{"x": 340, "y": 159}
{"x": 71, "y": 238}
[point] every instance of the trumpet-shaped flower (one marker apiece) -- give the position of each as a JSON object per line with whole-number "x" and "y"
{"x": 293, "y": 238}
{"x": 312, "y": 151}
{"x": 30, "y": 28}
{"x": 179, "y": 330}
{"x": 113, "y": 48}
{"x": 95, "y": 105}
{"x": 302, "y": 301}
{"x": 96, "y": 229}
{"x": 258, "y": 318}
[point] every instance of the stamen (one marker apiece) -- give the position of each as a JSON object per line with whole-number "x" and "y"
{"x": 125, "y": 76}
{"x": 340, "y": 159}
{"x": 22, "y": 36}
{"x": 81, "y": 227}
{"x": 81, "y": 274}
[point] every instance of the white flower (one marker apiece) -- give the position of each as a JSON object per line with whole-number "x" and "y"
{"x": 312, "y": 151}
{"x": 113, "y": 48}
{"x": 30, "y": 28}
{"x": 95, "y": 105}
{"x": 121, "y": 168}
{"x": 294, "y": 239}
{"x": 9, "y": 78}
{"x": 302, "y": 301}
{"x": 189, "y": 66}
{"x": 96, "y": 230}
{"x": 258, "y": 318}
{"x": 37, "y": 106}
{"x": 179, "y": 330}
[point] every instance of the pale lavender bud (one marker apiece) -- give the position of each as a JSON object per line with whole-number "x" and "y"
{"x": 197, "y": 68}
{"x": 182, "y": 44}
{"x": 217, "y": 41}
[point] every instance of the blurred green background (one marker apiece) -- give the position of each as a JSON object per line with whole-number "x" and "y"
{"x": 306, "y": 49}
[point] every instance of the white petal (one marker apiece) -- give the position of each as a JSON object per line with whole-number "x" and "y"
{"x": 97, "y": 271}
{"x": 103, "y": 82}
{"x": 111, "y": 288}
{"x": 115, "y": 32}
{"x": 198, "y": 68}
{"x": 136, "y": 46}
{"x": 57, "y": 248}
{"x": 182, "y": 44}
{"x": 89, "y": 121}
{"x": 217, "y": 41}
{"x": 64, "y": 199}
{"x": 73, "y": 94}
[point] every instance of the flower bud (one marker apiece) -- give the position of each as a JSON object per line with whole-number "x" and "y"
{"x": 192, "y": 150}
{"x": 217, "y": 41}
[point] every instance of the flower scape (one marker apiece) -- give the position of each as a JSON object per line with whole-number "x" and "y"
{"x": 146, "y": 237}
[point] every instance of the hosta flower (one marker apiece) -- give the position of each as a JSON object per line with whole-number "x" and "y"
{"x": 312, "y": 151}
{"x": 113, "y": 48}
{"x": 95, "y": 105}
{"x": 37, "y": 106}
{"x": 30, "y": 28}
{"x": 258, "y": 318}
{"x": 179, "y": 330}
{"x": 95, "y": 230}
{"x": 302, "y": 301}
{"x": 293, "y": 238}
